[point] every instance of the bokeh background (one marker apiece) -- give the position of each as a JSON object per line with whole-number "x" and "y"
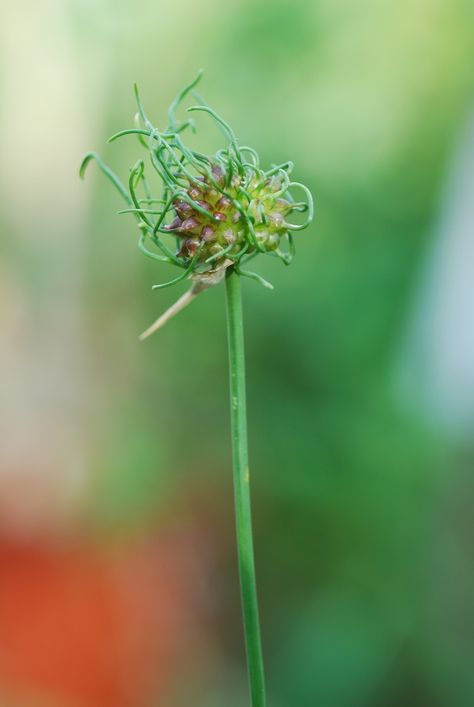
{"x": 118, "y": 580}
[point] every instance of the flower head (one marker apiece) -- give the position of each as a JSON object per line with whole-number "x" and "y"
{"x": 214, "y": 211}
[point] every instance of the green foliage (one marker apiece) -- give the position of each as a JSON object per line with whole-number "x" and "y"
{"x": 358, "y": 537}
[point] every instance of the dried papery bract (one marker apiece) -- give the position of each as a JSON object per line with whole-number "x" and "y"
{"x": 201, "y": 282}
{"x": 214, "y": 215}
{"x": 214, "y": 212}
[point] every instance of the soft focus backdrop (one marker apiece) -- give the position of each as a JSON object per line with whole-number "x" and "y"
{"x": 118, "y": 583}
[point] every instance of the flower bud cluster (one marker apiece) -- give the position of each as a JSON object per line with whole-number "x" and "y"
{"x": 213, "y": 222}
{"x": 214, "y": 212}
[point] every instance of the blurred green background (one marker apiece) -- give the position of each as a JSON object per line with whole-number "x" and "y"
{"x": 360, "y": 423}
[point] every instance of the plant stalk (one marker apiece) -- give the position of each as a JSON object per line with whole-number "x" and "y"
{"x": 243, "y": 517}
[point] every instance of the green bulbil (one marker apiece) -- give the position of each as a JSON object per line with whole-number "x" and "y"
{"x": 214, "y": 211}
{"x": 219, "y": 228}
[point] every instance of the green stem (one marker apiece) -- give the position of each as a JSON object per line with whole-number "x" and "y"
{"x": 243, "y": 518}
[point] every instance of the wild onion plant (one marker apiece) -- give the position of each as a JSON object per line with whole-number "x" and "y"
{"x": 213, "y": 216}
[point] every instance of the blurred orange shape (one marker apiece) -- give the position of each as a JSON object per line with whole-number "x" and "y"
{"x": 85, "y": 626}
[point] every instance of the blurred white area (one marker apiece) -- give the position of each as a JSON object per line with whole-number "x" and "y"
{"x": 44, "y": 130}
{"x": 58, "y": 63}
{"x": 440, "y": 367}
